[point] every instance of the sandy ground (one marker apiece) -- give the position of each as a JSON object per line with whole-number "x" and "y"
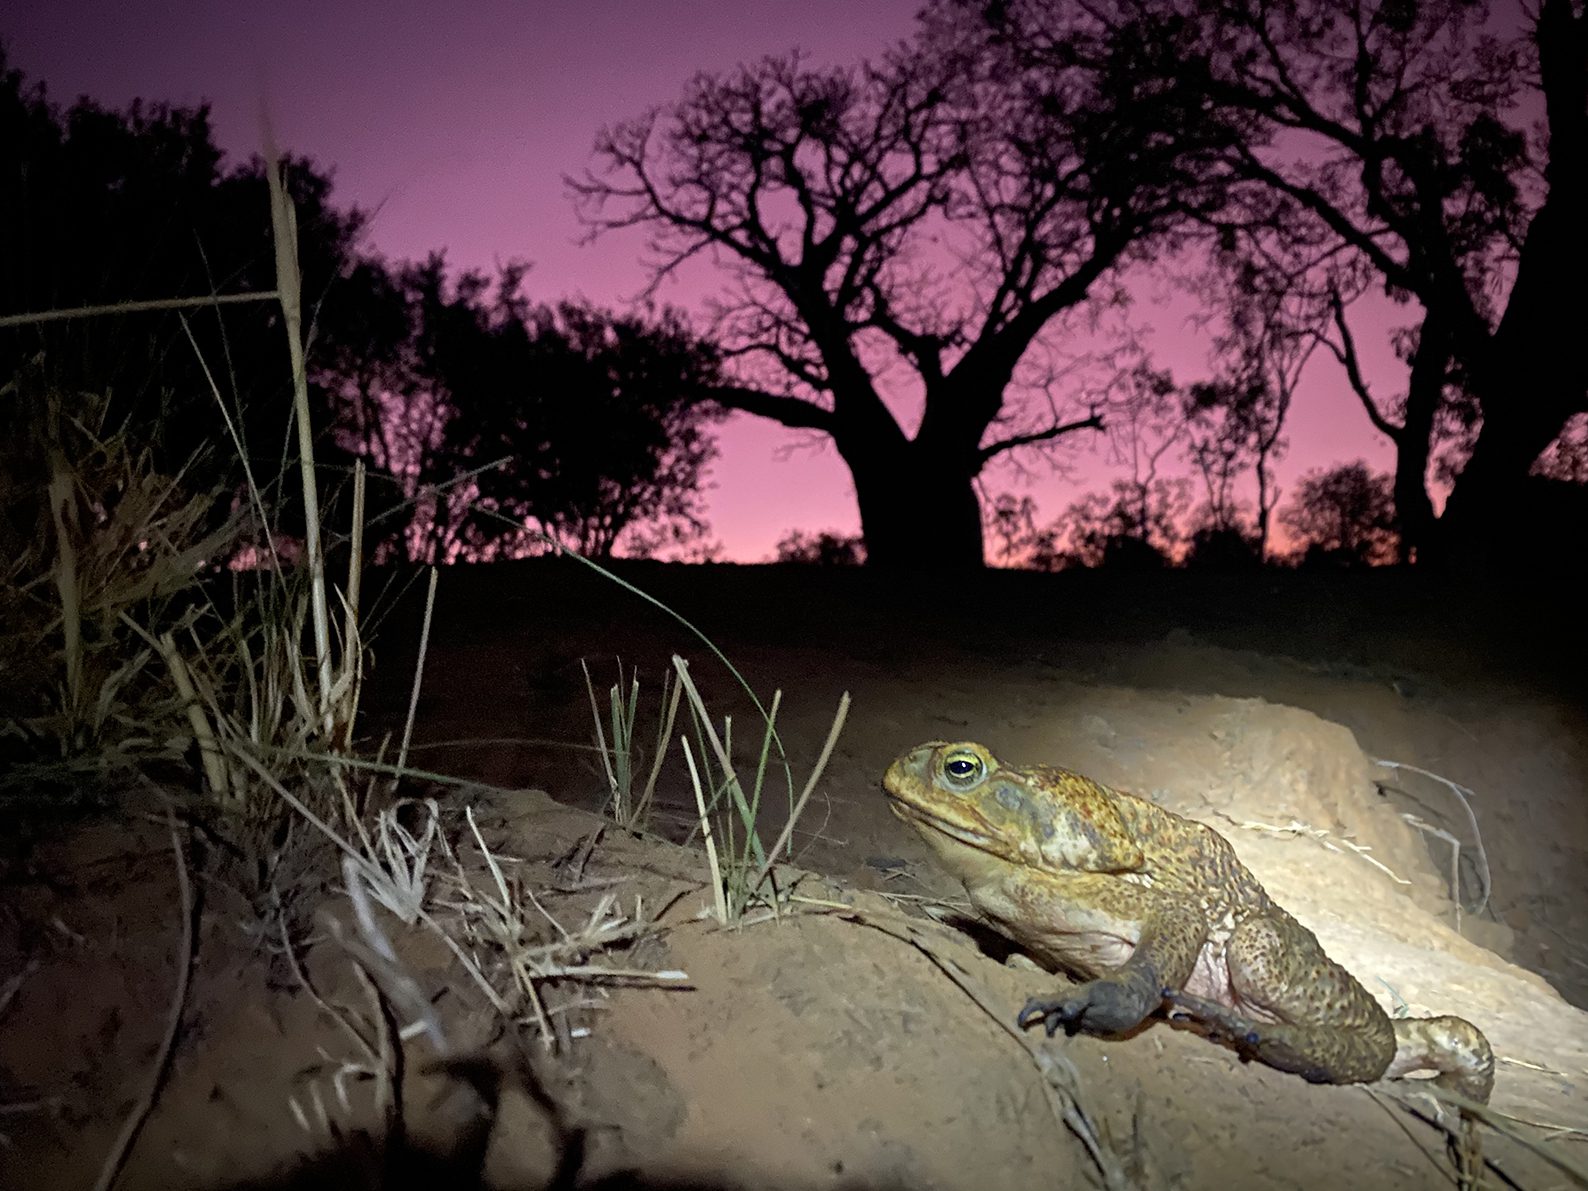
{"x": 854, "y": 1041}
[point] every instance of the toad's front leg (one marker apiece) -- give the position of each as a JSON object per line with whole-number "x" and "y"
{"x": 1134, "y": 941}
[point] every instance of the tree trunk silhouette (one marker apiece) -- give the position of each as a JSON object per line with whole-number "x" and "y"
{"x": 917, "y": 496}
{"x": 917, "y": 509}
{"x": 1413, "y": 436}
{"x": 1414, "y": 511}
{"x": 1529, "y": 376}
{"x": 1533, "y": 375}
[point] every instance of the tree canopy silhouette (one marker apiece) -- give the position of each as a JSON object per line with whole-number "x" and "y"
{"x": 512, "y": 425}
{"x": 427, "y": 377}
{"x": 111, "y": 207}
{"x": 1342, "y": 516}
{"x": 1135, "y": 527}
{"x": 908, "y": 231}
{"x": 828, "y": 548}
{"x": 1392, "y": 148}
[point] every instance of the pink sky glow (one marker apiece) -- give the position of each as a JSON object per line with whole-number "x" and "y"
{"x": 455, "y": 125}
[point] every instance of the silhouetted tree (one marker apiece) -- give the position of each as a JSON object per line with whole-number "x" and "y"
{"x": 829, "y": 548}
{"x": 1567, "y": 457}
{"x": 1218, "y": 445}
{"x": 1343, "y": 516}
{"x": 1013, "y": 525}
{"x": 1213, "y": 547}
{"x": 925, "y": 219}
{"x": 510, "y": 426}
{"x": 1134, "y": 527}
{"x": 589, "y": 415}
{"x": 1393, "y": 132}
{"x": 109, "y": 207}
{"x": 1237, "y": 421}
{"x": 1151, "y": 426}
{"x": 388, "y": 410}
{"x": 1022, "y": 542}
{"x": 1410, "y": 420}
{"x": 609, "y": 445}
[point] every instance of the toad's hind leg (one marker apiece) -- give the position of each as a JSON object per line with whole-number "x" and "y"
{"x": 1296, "y": 1009}
{"x": 1451, "y": 1046}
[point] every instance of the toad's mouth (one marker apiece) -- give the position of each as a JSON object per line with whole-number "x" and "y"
{"x": 919, "y": 816}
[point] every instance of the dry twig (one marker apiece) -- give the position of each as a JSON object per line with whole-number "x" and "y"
{"x": 1407, "y": 1095}
{"x": 117, "y": 1158}
{"x": 498, "y": 921}
{"x": 1465, "y": 797}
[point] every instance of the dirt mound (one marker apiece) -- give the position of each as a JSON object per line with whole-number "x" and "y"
{"x": 844, "y": 1044}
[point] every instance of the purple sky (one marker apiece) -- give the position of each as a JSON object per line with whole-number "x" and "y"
{"x": 457, "y": 129}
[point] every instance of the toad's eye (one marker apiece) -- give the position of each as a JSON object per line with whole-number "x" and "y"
{"x": 963, "y": 769}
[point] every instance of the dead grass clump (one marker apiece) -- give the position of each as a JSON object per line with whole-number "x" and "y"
{"x": 1465, "y": 797}
{"x": 94, "y": 537}
{"x": 517, "y": 949}
{"x": 158, "y": 627}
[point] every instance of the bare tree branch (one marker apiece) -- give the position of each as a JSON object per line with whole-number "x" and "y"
{"x": 1345, "y": 352}
{"x": 1094, "y": 421}
{"x": 790, "y": 411}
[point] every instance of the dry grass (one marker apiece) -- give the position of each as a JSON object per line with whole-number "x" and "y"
{"x": 621, "y": 758}
{"x": 114, "y": 539}
{"x": 132, "y": 657}
{"x": 518, "y": 947}
{"x": 148, "y": 661}
{"x": 1297, "y": 827}
{"x": 731, "y": 808}
{"x": 1462, "y": 1133}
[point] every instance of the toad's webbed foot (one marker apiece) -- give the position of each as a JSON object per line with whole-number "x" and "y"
{"x": 1109, "y": 1005}
{"x": 1267, "y": 1044}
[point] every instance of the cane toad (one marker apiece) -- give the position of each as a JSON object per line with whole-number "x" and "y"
{"x": 1155, "y": 913}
